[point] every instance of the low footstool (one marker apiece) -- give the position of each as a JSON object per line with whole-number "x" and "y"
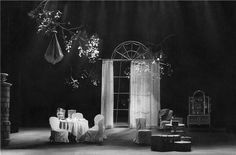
{"x": 176, "y": 127}
{"x": 186, "y": 138}
{"x": 183, "y": 146}
{"x": 163, "y": 143}
{"x": 143, "y": 137}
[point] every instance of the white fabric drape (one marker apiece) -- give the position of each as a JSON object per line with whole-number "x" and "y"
{"x": 144, "y": 92}
{"x": 155, "y": 96}
{"x": 107, "y": 96}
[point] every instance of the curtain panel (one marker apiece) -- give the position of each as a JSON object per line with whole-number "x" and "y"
{"x": 107, "y": 96}
{"x": 144, "y": 92}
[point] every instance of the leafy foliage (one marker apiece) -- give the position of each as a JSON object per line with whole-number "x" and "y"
{"x": 74, "y": 39}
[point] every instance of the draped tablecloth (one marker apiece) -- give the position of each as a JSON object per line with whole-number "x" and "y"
{"x": 77, "y": 127}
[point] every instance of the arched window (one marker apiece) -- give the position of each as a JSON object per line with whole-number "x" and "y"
{"x": 120, "y": 105}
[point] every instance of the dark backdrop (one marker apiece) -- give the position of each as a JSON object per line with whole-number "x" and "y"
{"x": 201, "y": 51}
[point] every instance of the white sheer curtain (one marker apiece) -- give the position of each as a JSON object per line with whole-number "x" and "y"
{"x": 155, "y": 95}
{"x": 144, "y": 93}
{"x": 107, "y": 96}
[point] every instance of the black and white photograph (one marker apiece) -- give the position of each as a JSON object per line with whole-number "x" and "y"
{"x": 111, "y": 77}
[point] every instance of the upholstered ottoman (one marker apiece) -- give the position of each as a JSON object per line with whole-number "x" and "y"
{"x": 143, "y": 137}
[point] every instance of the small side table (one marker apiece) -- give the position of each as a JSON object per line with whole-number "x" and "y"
{"x": 163, "y": 143}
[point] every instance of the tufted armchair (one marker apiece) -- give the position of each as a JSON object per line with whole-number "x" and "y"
{"x": 165, "y": 116}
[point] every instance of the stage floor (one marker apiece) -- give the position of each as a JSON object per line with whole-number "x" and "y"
{"x": 119, "y": 142}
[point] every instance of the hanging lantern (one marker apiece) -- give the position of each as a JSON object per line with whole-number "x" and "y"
{"x": 54, "y": 54}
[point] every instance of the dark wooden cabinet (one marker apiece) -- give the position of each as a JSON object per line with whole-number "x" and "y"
{"x": 199, "y": 109}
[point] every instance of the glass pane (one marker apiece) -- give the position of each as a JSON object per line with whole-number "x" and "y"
{"x": 121, "y": 68}
{"x": 121, "y": 85}
{"x": 116, "y": 68}
{"x": 121, "y": 116}
{"x": 123, "y": 102}
{"x": 198, "y": 108}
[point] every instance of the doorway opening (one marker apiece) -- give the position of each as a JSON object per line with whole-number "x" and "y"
{"x": 121, "y": 93}
{"x": 122, "y": 56}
